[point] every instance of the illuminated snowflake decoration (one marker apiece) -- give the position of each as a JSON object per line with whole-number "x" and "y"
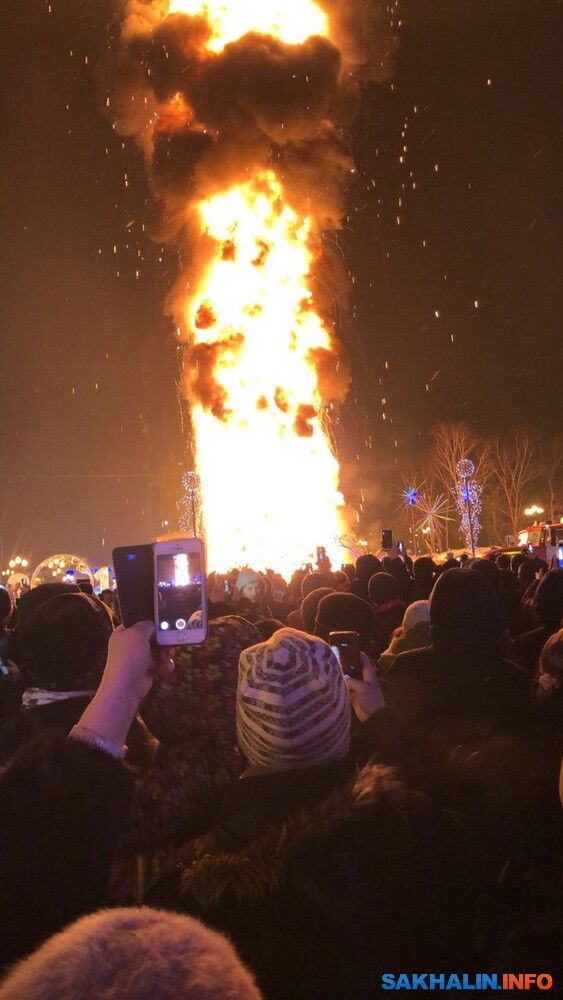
{"x": 410, "y": 496}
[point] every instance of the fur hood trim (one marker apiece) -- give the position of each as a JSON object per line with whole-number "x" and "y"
{"x": 258, "y": 869}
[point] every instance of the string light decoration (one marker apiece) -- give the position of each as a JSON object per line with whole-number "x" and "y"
{"x": 434, "y": 517}
{"x": 468, "y": 503}
{"x": 62, "y": 568}
{"x": 410, "y": 497}
{"x": 189, "y": 505}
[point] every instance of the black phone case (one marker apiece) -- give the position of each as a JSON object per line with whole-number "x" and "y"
{"x": 133, "y": 566}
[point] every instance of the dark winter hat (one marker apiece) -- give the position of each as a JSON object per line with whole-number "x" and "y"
{"x": 5, "y": 605}
{"x": 313, "y": 581}
{"x": 344, "y": 613}
{"x": 465, "y": 610}
{"x": 266, "y": 627}
{"x": 383, "y": 587}
{"x": 310, "y": 604}
{"x": 366, "y": 566}
{"x": 63, "y": 642}
{"x": 424, "y": 569}
{"x": 517, "y": 559}
{"x": 28, "y": 602}
{"x": 548, "y": 600}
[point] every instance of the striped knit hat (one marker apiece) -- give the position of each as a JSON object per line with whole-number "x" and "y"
{"x": 293, "y": 708}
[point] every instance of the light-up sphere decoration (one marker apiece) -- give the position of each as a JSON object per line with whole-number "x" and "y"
{"x": 61, "y": 568}
{"x": 465, "y": 468}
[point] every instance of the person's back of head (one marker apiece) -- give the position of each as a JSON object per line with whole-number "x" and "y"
{"x": 465, "y": 611}
{"x": 132, "y": 954}
{"x": 341, "y": 581}
{"x": 313, "y": 581}
{"x": 266, "y": 627}
{"x": 417, "y": 613}
{"x": 424, "y": 569}
{"x": 40, "y": 595}
{"x": 527, "y": 573}
{"x": 489, "y": 571}
{"x": 309, "y": 607}
{"x": 6, "y": 607}
{"x": 293, "y": 708}
{"x": 551, "y": 662}
{"x": 503, "y": 560}
{"x": 62, "y": 644}
{"x": 345, "y": 613}
{"x": 548, "y": 599}
{"x": 366, "y": 566}
{"x": 448, "y": 564}
{"x": 516, "y": 561}
{"x": 383, "y": 587}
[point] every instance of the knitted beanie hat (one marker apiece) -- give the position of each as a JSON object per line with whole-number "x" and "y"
{"x": 293, "y": 708}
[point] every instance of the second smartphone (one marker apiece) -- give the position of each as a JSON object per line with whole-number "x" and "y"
{"x": 180, "y": 600}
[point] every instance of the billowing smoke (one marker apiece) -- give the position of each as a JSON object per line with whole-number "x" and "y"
{"x": 207, "y": 120}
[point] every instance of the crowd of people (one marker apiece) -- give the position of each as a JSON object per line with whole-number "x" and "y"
{"x": 245, "y": 819}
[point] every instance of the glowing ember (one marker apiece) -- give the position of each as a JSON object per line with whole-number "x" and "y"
{"x": 290, "y": 21}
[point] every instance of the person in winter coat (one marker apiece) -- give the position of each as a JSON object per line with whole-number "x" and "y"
{"x": 412, "y": 634}
{"x": 366, "y": 566}
{"x": 461, "y": 672}
{"x": 548, "y": 611}
{"x": 192, "y": 714}
{"x": 345, "y": 613}
{"x": 64, "y": 802}
{"x": 61, "y": 648}
{"x": 424, "y": 573}
{"x": 385, "y": 599}
{"x": 250, "y": 601}
{"x": 320, "y": 877}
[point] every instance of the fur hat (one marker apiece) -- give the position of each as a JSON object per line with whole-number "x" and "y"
{"x": 417, "y": 612}
{"x": 132, "y": 954}
{"x": 293, "y": 707}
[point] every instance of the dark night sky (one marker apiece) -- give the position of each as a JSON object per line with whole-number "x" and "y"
{"x": 88, "y": 369}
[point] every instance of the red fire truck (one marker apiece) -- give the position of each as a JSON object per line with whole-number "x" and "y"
{"x": 544, "y": 540}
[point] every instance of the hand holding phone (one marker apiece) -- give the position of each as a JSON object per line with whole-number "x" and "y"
{"x": 346, "y": 647}
{"x": 366, "y": 695}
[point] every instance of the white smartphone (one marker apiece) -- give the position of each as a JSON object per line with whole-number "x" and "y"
{"x": 180, "y": 599}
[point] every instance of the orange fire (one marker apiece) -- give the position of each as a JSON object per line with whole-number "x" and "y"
{"x": 268, "y": 475}
{"x": 291, "y": 21}
{"x": 256, "y": 345}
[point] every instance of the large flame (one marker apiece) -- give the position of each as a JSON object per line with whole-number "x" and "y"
{"x": 259, "y": 355}
{"x": 269, "y": 478}
{"x": 291, "y": 21}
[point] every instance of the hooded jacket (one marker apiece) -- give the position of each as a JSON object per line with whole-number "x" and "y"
{"x": 322, "y": 881}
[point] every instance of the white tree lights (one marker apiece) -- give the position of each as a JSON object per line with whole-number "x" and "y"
{"x": 468, "y": 502}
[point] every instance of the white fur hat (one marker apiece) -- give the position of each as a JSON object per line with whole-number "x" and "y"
{"x": 417, "y": 612}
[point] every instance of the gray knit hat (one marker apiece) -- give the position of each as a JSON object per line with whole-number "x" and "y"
{"x": 293, "y": 708}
